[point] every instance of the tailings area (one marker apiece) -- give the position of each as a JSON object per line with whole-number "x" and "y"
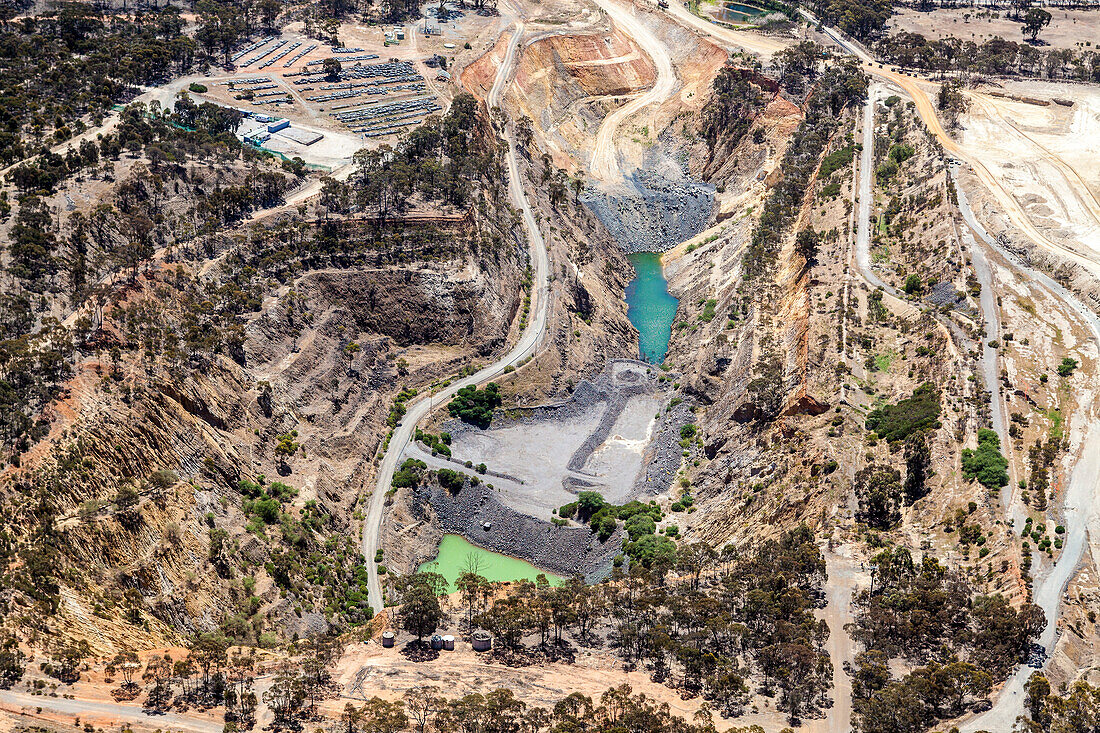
{"x": 616, "y": 434}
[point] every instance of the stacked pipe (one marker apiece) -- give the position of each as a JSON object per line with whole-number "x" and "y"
{"x": 250, "y": 48}
{"x": 268, "y": 52}
{"x": 299, "y": 55}
{"x": 280, "y": 55}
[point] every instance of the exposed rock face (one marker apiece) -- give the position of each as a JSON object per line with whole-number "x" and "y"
{"x": 655, "y": 209}
{"x": 562, "y": 550}
{"x": 420, "y": 306}
{"x": 319, "y": 364}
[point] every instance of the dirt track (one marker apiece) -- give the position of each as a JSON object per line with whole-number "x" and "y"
{"x": 527, "y": 344}
{"x": 605, "y": 162}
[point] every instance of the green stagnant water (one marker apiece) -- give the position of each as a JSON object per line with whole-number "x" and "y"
{"x": 649, "y": 306}
{"x": 455, "y": 554}
{"x": 732, "y": 12}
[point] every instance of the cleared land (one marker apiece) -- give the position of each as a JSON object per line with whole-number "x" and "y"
{"x": 599, "y": 440}
{"x": 1067, "y": 29}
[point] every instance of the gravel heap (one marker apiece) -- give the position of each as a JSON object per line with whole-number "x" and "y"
{"x": 570, "y": 550}
{"x": 654, "y": 210}
{"x": 565, "y": 551}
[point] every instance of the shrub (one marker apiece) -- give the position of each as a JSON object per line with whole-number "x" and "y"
{"x": 651, "y": 549}
{"x": 409, "y": 474}
{"x": 287, "y": 446}
{"x": 640, "y": 525}
{"x": 605, "y": 527}
{"x": 1067, "y": 367}
{"x": 590, "y": 502}
{"x": 901, "y": 153}
{"x": 475, "y": 406}
{"x": 197, "y": 88}
{"x": 267, "y": 509}
{"x": 836, "y": 160}
{"x": 897, "y": 422}
{"x": 986, "y": 465}
{"x": 452, "y": 481}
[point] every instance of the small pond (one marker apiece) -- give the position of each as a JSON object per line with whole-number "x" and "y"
{"x": 456, "y": 554}
{"x": 733, "y": 12}
{"x": 649, "y": 306}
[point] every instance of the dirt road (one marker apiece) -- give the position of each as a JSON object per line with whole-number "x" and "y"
{"x": 605, "y": 159}
{"x": 525, "y": 347}
{"x": 866, "y": 195}
{"x": 838, "y": 614}
{"x": 1080, "y": 508}
{"x": 25, "y": 703}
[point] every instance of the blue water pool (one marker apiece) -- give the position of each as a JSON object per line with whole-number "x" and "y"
{"x": 649, "y": 306}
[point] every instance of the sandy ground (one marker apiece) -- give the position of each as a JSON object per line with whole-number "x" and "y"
{"x": 1067, "y": 29}
{"x": 386, "y": 673}
{"x": 1047, "y": 158}
{"x": 533, "y": 456}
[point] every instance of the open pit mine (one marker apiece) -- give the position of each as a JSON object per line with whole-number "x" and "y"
{"x": 483, "y": 366}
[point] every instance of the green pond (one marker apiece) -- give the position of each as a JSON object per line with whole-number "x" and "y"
{"x": 649, "y": 306}
{"x": 733, "y": 12}
{"x": 456, "y": 554}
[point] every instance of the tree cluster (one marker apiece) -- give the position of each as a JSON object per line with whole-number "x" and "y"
{"x": 713, "y": 623}
{"x": 74, "y": 61}
{"x": 993, "y": 57}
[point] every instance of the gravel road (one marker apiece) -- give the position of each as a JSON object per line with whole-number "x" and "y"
{"x": 525, "y": 347}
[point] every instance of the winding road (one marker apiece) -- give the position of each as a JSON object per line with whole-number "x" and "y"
{"x": 24, "y": 703}
{"x": 526, "y": 346}
{"x": 1083, "y": 492}
{"x": 1082, "y": 496}
{"x": 605, "y": 159}
{"x": 1079, "y": 507}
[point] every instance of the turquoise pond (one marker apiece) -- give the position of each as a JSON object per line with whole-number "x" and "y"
{"x": 732, "y": 12}
{"x": 456, "y": 554}
{"x": 649, "y": 306}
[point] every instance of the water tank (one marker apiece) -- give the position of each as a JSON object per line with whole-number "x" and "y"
{"x": 437, "y": 642}
{"x": 449, "y": 643}
{"x": 387, "y": 639}
{"x": 482, "y": 641}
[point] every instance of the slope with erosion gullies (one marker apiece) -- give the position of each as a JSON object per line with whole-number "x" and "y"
{"x": 218, "y": 431}
{"x": 156, "y": 534}
{"x": 787, "y": 361}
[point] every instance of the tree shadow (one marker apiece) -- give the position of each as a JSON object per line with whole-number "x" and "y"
{"x": 419, "y": 651}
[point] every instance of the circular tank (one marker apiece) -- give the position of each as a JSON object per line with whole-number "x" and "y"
{"x": 387, "y": 639}
{"x": 482, "y": 641}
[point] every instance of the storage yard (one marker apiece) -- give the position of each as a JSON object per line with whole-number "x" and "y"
{"x": 379, "y": 90}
